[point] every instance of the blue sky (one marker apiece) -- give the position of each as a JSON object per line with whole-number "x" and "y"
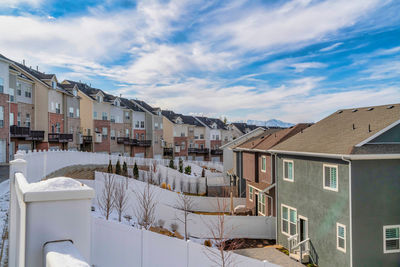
{"x": 297, "y": 61}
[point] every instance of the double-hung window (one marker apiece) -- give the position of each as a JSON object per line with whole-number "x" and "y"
{"x": 58, "y": 108}
{"x": 263, "y": 163}
{"x": 77, "y": 113}
{"x": 11, "y": 119}
{"x": 261, "y": 203}
{"x": 250, "y": 193}
{"x": 104, "y": 116}
{"x": 1, "y": 116}
{"x": 71, "y": 112}
{"x": 391, "y": 239}
{"x": 1, "y": 86}
{"x": 28, "y": 120}
{"x": 12, "y": 95}
{"x": 141, "y": 124}
{"x": 112, "y": 134}
{"x": 289, "y": 220}
{"x": 341, "y": 237}
{"x": 104, "y": 132}
{"x": 95, "y": 114}
{"x": 331, "y": 177}
{"x": 288, "y": 170}
{"x": 19, "y": 119}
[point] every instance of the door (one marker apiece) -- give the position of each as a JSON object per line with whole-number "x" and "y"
{"x": 3, "y": 149}
{"x": 11, "y": 150}
{"x": 303, "y": 230}
{"x": 256, "y": 203}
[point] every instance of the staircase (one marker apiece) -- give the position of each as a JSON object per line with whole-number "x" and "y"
{"x": 303, "y": 252}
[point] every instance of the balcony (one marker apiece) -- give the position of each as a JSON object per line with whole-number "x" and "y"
{"x": 216, "y": 151}
{"x": 198, "y": 150}
{"x": 145, "y": 143}
{"x": 60, "y": 138}
{"x": 36, "y": 136}
{"x": 168, "y": 151}
{"x": 87, "y": 139}
{"x": 123, "y": 140}
{"x": 19, "y": 132}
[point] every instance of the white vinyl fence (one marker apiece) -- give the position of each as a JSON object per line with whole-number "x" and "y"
{"x": 115, "y": 244}
{"x": 198, "y": 225}
{"x": 42, "y": 163}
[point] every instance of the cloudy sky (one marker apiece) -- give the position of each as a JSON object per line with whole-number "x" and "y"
{"x": 297, "y": 61}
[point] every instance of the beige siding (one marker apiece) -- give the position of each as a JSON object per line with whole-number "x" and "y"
{"x": 86, "y": 113}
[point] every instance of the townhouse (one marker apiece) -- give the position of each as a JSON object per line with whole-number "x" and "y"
{"x": 257, "y": 168}
{"x": 338, "y": 184}
{"x": 4, "y": 110}
{"x": 214, "y": 130}
{"x": 240, "y": 128}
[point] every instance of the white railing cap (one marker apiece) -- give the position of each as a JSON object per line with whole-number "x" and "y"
{"x": 63, "y": 254}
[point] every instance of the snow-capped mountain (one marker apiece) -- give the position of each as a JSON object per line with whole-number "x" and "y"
{"x": 270, "y": 123}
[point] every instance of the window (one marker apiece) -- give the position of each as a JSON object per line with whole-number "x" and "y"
{"x": 261, "y": 203}
{"x": 53, "y": 84}
{"x": 28, "y": 120}
{"x": 127, "y": 115}
{"x": 52, "y": 106}
{"x": 182, "y": 134}
{"x": 58, "y": 127}
{"x": 19, "y": 88}
{"x": 71, "y": 130}
{"x": 341, "y": 237}
{"x": 28, "y": 92}
{"x": 161, "y": 125}
{"x": 391, "y": 238}
{"x": 104, "y": 132}
{"x": 112, "y": 118}
{"x": 11, "y": 119}
{"x": 250, "y": 193}
{"x": 99, "y": 99}
{"x": 217, "y": 137}
{"x": 126, "y": 132}
{"x": 288, "y": 170}
{"x": 58, "y": 108}
{"x": 19, "y": 119}
{"x": 95, "y": 114}
{"x": 201, "y": 136}
{"x": 288, "y": 220}
{"x": 1, "y": 116}
{"x": 156, "y": 125}
{"x": 112, "y": 134}
{"x": 71, "y": 112}
{"x": 183, "y": 145}
{"x": 330, "y": 177}
{"x": 1, "y": 86}
{"x": 137, "y": 124}
{"x": 74, "y": 92}
{"x": 142, "y": 136}
{"x": 104, "y": 116}
{"x": 77, "y": 113}
{"x": 142, "y": 124}
{"x": 264, "y": 164}
{"x": 12, "y": 96}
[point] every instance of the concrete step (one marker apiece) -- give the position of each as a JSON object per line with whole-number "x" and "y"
{"x": 296, "y": 256}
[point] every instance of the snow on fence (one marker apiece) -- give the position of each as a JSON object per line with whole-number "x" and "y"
{"x": 42, "y": 163}
{"x": 115, "y": 244}
{"x": 198, "y": 225}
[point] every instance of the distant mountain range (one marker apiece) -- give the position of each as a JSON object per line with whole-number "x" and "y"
{"x": 270, "y": 123}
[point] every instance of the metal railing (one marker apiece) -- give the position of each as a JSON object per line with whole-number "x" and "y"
{"x": 60, "y": 138}
{"x": 216, "y": 151}
{"x": 87, "y": 139}
{"x": 17, "y": 131}
{"x": 304, "y": 247}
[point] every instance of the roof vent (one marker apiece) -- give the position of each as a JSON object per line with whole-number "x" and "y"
{"x": 354, "y": 110}
{"x": 369, "y": 109}
{"x": 390, "y": 107}
{"x": 369, "y": 128}
{"x": 354, "y": 127}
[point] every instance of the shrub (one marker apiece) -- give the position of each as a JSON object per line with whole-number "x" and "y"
{"x": 161, "y": 223}
{"x": 171, "y": 164}
{"x": 174, "y": 227}
{"x": 118, "y": 168}
{"x": 128, "y": 217}
{"x": 169, "y": 187}
{"x": 135, "y": 171}
{"x": 125, "y": 169}
{"x": 163, "y": 185}
{"x": 181, "y": 165}
{"x": 188, "y": 170}
{"x": 110, "y": 168}
{"x": 207, "y": 243}
{"x": 203, "y": 173}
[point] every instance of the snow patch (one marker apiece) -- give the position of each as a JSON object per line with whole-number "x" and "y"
{"x": 56, "y": 184}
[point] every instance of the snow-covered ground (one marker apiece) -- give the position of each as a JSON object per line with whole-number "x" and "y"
{"x": 4, "y": 206}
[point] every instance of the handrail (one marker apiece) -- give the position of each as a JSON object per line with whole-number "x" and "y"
{"x": 292, "y": 237}
{"x": 300, "y": 243}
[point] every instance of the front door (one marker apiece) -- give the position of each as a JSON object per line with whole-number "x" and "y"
{"x": 303, "y": 229}
{"x": 256, "y": 203}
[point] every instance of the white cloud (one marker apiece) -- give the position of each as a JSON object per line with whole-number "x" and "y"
{"x": 300, "y": 67}
{"x": 386, "y": 70}
{"x": 15, "y": 3}
{"x": 331, "y": 47}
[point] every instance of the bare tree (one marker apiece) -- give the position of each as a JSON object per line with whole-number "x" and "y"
{"x": 185, "y": 203}
{"x": 222, "y": 238}
{"x": 145, "y": 206}
{"x": 121, "y": 198}
{"x": 106, "y": 199}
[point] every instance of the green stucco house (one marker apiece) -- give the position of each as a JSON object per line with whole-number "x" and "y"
{"x": 338, "y": 189}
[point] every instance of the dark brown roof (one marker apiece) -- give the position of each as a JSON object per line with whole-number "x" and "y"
{"x": 271, "y": 137}
{"x": 340, "y": 132}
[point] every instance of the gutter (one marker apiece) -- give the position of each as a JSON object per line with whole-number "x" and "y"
{"x": 350, "y": 214}
{"x": 336, "y": 156}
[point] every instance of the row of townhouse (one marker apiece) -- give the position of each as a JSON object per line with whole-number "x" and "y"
{"x": 194, "y": 138}
{"x": 39, "y": 112}
{"x": 333, "y": 185}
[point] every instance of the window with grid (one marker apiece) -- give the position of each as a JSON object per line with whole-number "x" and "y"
{"x": 330, "y": 178}
{"x": 58, "y": 127}
{"x": 1, "y": 86}
{"x": 104, "y": 116}
{"x": 263, "y": 164}
{"x": 104, "y": 132}
{"x": 391, "y": 238}
{"x": 12, "y": 95}
{"x": 19, "y": 119}
{"x": 19, "y": 88}
{"x": 289, "y": 220}
{"x": 142, "y": 124}
{"x": 288, "y": 170}
{"x": 58, "y": 108}
{"x": 112, "y": 118}
{"x": 71, "y": 112}
{"x": 28, "y": 120}
{"x": 1, "y": 116}
{"x": 341, "y": 237}
{"x": 250, "y": 193}
{"x": 112, "y": 134}
{"x": 261, "y": 203}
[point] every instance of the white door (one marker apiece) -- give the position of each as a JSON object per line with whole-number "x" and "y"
{"x": 3, "y": 151}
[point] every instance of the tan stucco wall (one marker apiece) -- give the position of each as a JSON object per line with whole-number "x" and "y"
{"x": 41, "y": 100}
{"x": 86, "y": 113}
{"x": 168, "y": 133}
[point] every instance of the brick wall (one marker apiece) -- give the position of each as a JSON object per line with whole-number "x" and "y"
{"x": 104, "y": 146}
{"x": 179, "y": 141}
{"x": 4, "y": 131}
{"x": 53, "y": 119}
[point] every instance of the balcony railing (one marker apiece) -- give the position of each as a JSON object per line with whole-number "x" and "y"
{"x": 168, "y": 151}
{"x": 87, "y": 139}
{"x": 198, "y": 150}
{"x": 17, "y": 131}
{"x": 216, "y": 151}
{"x": 36, "y": 136}
{"x": 144, "y": 142}
{"x": 60, "y": 138}
{"x": 123, "y": 140}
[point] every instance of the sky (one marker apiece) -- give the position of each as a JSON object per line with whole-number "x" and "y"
{"x": 297, "y": 61}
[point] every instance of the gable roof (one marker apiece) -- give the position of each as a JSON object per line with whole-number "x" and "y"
{"x": 210, "y": 121}
{"x": 243, "y": 138}
{"x": 273, "y": 136}
{"x": 242, "y": 126}
{"x": 186, "y": 119}
{"x": 340, "y": 132}
{"x": 129, "y": 104}
{"x": 145, "y": 106}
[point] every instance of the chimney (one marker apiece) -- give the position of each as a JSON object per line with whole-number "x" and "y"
{"x": 23, "y": 62}
{"x": 37, "y": 67}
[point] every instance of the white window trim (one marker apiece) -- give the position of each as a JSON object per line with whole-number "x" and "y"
{"x": 289, "y": 208}
{"x": 262, "y": 158}
{"x": 385, "y": 251}
{"x": 337, "y": 177}
{"x": 337, "y": 237}
{"x": 252, "y": 197}
{"x": 285, "y": 178}
{"x": 259, "y": 205}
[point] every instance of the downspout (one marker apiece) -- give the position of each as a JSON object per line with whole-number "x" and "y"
{"x": 350, "y": 213}
{"x": 273, "y": 157}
